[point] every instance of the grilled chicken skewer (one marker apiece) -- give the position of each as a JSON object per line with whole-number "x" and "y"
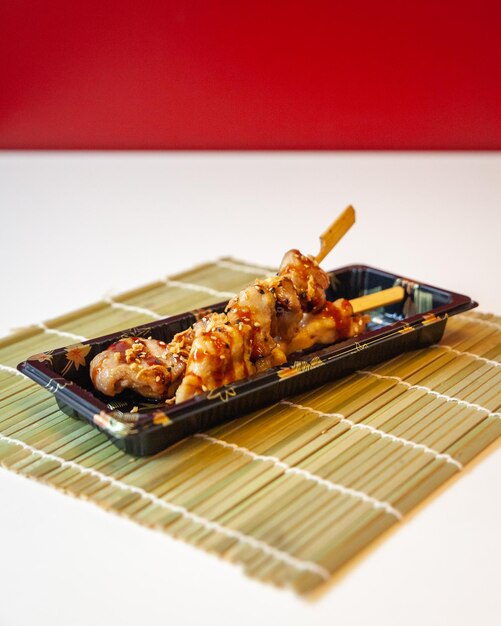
{"x": 261, "y": 325}
{"x": 263, "y": 312}
{"x": 225, "y": 347}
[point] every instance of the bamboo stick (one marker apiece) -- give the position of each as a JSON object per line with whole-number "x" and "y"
{"x": 377, "y": 299}
{"x": 337, "y": 230}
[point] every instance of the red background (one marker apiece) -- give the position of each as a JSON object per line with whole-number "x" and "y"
{"x": 248, "y": 75}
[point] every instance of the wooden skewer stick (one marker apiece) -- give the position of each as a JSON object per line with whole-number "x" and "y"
{"x": 335, "y": 232}
{"x": 339, "y": 227}
{"x": 377, "y": 299}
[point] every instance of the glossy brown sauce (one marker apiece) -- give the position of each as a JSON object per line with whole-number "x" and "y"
{"x": 121, "y": 346}
{"x": 243, "y": 315}
{"x": 340, "y": 315}
{"x": 149, "y": 359}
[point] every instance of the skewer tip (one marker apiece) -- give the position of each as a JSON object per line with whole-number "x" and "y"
{"x": 339, "y": 227}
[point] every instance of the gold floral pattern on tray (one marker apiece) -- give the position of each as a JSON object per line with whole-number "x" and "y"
{"x": 298, "y": 367}
{"x": 137, "y": 331}
{"x": 57, "y": 383}
{"x": 406, "y": 328}
{"x": 75, "y": 355}
{"x": 42, "y": 357}
{"x": 430, "y": 318}
{"x": 360, "y": 346}
{"x": 118, "y": 425}
{"x": 222, "y": 393}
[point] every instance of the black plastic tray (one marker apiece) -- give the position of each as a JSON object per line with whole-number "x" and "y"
{"x": 417, "y": 322}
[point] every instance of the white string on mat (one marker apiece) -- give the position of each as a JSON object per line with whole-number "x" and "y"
{"x": 135, "y": 309}
{"x": 431, "y": 392}
{"x": 469, "y": 318}
{"x": 12, "y": 370}
{"x": 288, "y": 469}
{"x": 262, "y": 546}
{"x": 242, "y": 267}
{"x": 60, "y": 333}
{"x": 195, "y": 287}
{"x": 471, "y": 354}
{"x": 380, "y": 433}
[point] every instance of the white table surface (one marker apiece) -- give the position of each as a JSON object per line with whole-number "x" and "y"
{"x": 78, "y": 226}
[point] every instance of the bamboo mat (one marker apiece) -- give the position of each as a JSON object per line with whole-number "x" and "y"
{"x": 290, "y": 492}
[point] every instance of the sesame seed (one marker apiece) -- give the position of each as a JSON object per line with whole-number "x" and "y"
{"x": 157, "y": 379}
{"x": 134, "y": 409}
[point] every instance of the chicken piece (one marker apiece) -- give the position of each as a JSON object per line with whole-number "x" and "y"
{"x": 271, "y": 308}
{"x": 220, "y": 355}
{"x": 334, "y": 322}
{"x": 150, "y": 367}
{"x": 288, "y": 313}
{"x": 276, "y": 357}
{"x": 309, "y": 279}
{"x": 254, "y": 307}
